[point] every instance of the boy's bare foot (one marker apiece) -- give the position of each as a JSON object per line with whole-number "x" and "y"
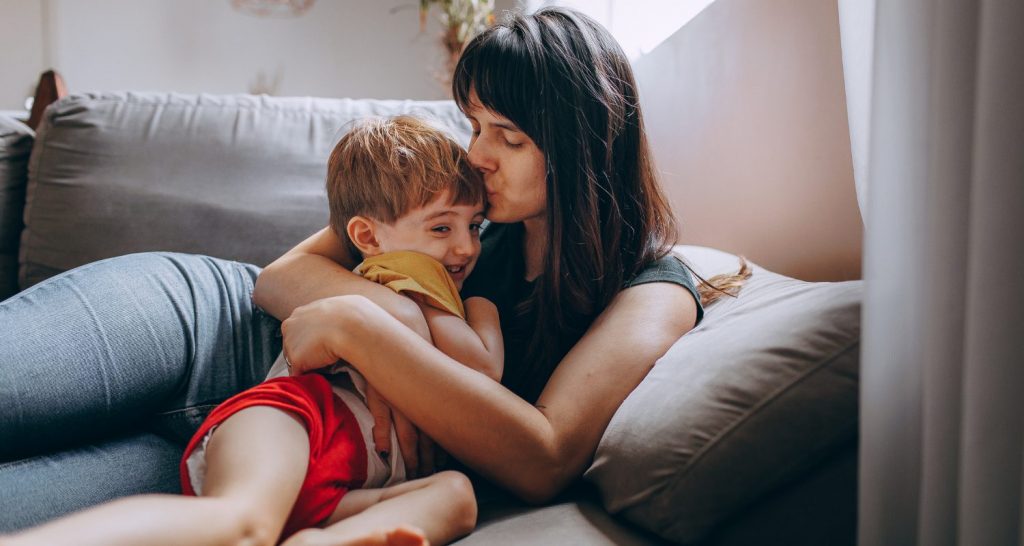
{"x": 406, "y": 536}
{"x": 403, "y": 535}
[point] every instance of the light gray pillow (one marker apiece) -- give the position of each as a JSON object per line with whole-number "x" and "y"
{"x": 234, "y": 176}
{"x": 764, "y": 388}
{"x": 15, "y": 146}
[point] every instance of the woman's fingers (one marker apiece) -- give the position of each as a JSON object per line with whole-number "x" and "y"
{"x": 381, "y": 413}
{"x": 408, "y": 442}
{"x": 314, "y": 335}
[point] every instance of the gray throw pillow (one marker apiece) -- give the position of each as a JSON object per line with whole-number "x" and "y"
{"x": 763, "y": 389}
{"x": 15, "y": 146}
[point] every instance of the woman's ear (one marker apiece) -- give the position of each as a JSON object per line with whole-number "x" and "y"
{"x": 362, "y": 232}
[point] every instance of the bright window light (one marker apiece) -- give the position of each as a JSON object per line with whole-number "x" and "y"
{"x": 638, "y": 25}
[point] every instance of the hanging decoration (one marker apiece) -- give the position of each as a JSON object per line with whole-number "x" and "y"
{"x": 461, "y": 21}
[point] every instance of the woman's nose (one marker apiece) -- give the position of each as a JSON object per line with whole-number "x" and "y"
{"x": 479, "y": 156}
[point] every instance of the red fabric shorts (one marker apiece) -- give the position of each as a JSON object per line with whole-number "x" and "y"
{"x": 337, "y": 451}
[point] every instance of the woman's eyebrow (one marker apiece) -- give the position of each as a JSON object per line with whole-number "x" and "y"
{"x": 505, "y": 125}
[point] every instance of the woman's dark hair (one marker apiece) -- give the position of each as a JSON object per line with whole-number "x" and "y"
{"x": 564, "y": 81}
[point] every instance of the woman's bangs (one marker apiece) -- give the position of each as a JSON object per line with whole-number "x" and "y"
{"x": 496, "y": 66}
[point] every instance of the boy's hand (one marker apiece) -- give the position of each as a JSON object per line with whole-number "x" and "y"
{"x": 381, "y": 413}
{"x": 417, "y": 448}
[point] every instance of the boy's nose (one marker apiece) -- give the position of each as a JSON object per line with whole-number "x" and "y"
{"x": 463, "y": 246}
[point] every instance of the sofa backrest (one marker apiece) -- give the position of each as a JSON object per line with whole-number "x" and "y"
{"x": 238, "y": 177}
{"x": 15, "y": 146}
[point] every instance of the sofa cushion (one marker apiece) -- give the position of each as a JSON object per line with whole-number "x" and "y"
{"x": 575, "y": 516}
{"x": 238, "y": 177}
{"x": 15, "y": 146}
{"x": 763, "y": 389}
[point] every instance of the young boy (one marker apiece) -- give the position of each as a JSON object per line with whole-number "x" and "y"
{"x": 292, "y": 458}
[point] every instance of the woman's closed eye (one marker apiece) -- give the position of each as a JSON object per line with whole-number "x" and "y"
{"x": 511, "y": 138}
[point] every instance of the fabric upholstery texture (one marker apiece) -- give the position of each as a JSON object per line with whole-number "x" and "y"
{"x": 238, "y": 177}
{"x": 762, "y": 390}
{"x": 15, "y": 146}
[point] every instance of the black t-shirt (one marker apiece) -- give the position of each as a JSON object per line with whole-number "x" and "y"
{"x": 499, "y": 277}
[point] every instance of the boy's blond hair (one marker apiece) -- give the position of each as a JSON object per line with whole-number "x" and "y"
{"x": 384, "y": 168}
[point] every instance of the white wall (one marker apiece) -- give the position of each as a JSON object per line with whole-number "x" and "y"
{"x": 339, "y": 48}
{"x": 746, "y": 112}
{"x": 21, "y": 51}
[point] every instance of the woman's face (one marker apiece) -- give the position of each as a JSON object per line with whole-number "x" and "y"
{"x": 512, "y": 166}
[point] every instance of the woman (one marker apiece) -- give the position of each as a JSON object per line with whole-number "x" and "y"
{"x": 152, "y": 342}
{"x": 576, "y": 258}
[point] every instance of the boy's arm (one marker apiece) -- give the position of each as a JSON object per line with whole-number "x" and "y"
{"x": 475, "y": 342}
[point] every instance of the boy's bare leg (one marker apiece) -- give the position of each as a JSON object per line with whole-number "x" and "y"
{"x": 256, "y": 462}
{"x": 402, "y": 535}
{"x": 442, "y": 506}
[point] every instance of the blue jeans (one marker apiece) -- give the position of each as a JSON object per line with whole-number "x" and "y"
{"x": 106, "y": 370}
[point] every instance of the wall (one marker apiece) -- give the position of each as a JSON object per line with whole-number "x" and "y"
{"x": 746, "y": 113}
{"x": 339, "y": 48}
{"x": 638, "y": 31}
{"x": 21, "y": 51}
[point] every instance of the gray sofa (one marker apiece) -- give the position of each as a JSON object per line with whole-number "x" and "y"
{"x": 745, "y": 432}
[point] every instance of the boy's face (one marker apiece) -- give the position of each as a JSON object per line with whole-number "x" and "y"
{"x": 444, "y": 231}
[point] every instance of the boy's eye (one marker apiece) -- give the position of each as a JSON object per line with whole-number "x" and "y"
{"x": 441, "y": 229}
{"x": 475, "y": 227}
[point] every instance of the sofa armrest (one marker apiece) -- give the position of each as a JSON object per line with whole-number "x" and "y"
{"x": 16, "y": 141}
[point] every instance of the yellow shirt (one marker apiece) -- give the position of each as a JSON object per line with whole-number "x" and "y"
{"x": 407, "y": 271}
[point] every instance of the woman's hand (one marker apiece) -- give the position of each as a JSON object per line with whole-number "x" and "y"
{"x": 315, "y": 334}
{"x": 319, "y": 334}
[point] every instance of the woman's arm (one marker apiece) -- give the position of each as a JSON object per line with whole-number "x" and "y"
{"x": 475, "y": 342}
{"x": 532, "y": 450}
{"x": 318, "y": 268}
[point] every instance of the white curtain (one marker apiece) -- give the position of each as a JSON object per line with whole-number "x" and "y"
{"x": 857, "y": 37}
{"x": 942, "y": 385}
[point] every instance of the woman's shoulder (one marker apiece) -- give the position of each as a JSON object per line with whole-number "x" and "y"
{"x": 669, "y": 268}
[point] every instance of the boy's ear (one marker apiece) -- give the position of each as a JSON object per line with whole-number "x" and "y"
{"x": 361, "y": 231}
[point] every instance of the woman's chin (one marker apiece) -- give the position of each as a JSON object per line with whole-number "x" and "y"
{"x": 499, "y": 215}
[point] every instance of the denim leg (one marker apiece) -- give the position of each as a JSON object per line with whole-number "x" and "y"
{"x": 139, "y": 341}
{"x": 40, "y": 488}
